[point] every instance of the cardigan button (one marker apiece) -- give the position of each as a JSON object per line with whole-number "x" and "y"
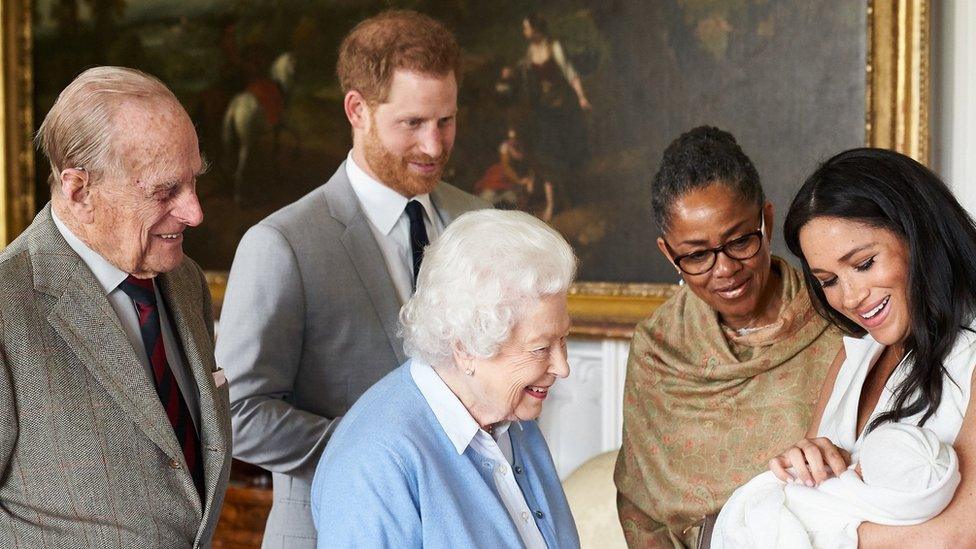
{"x": 540, "y": 515}
{"x": 173, "y": 464}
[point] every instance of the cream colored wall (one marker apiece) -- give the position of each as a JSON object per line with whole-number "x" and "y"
{"x": 954, "y": 96}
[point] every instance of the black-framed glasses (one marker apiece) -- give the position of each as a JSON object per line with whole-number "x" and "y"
{"x": 741, "y": 248}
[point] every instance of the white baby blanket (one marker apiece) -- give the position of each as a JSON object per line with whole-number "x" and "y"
{"x": 768, "y": 514}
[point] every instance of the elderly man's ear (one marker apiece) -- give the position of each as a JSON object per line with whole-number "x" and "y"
{"x": 75, "y": 190}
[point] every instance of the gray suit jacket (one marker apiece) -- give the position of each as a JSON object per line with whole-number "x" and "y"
{"x": 88, "y": 457}
{"x": 308, "y": 324}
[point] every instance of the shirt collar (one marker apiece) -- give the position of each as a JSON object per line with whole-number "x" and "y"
{"x": 383, "y": 206}
{"x": 454, "y": 418}
{"x": 108, "y": 276}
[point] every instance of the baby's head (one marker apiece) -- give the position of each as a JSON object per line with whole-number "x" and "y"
{"x": 903, "y": 457}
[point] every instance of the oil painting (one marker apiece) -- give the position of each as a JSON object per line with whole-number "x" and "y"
{"x": 565, "y": 106}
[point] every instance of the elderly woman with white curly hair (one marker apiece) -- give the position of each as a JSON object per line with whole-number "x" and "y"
{"x": 444, "y": 451}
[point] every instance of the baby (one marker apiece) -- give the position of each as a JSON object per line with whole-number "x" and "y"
{"x": 902, "y": 475}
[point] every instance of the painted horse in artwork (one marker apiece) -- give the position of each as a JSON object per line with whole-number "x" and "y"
{"x": 253, "y": 113}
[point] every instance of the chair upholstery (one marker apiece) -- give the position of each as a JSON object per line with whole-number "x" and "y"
{"x": 593, "y": 499}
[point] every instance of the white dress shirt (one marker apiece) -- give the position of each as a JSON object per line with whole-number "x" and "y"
{"x": 109, "y": 277}
{"x": 464, "y": 431}
{"x": 386, "y": 211}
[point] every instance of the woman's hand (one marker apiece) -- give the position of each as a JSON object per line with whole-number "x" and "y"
{"x": 813, "y": 460}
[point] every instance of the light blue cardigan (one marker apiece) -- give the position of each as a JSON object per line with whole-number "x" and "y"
{"x": 390, "y": 477}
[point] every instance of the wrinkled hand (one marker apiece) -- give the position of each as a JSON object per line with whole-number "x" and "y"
{"x": 813, "y": 460}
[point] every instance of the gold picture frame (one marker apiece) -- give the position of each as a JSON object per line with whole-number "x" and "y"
{"x": 897, "y": 117}
{"x": 16, "y": 120}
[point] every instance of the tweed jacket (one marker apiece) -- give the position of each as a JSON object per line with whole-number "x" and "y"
{"x": 88, "y": 458}
{"x": 308, "y": 324}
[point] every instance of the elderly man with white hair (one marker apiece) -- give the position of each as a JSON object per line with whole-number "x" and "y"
{"x": 114, "y": 421}
{"x": 444, "y": 451}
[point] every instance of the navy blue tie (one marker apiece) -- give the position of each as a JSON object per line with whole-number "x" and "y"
{"x": 418, "y": 236}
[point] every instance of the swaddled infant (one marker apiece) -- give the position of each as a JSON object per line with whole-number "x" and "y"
{"x": 901, "y": 475}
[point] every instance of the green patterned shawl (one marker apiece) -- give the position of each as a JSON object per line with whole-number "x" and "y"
{"x": 698, "y": 422}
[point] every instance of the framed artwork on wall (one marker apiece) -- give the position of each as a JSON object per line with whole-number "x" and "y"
{"x": 565, "y": 107}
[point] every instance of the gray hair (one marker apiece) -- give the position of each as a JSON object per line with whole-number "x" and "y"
{"x": 697, "y": 159}
{"x": 78, "y": 131}
{"x": 476, "y": 280}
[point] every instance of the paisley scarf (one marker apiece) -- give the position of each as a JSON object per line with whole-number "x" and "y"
{"x": 699, "y": 421}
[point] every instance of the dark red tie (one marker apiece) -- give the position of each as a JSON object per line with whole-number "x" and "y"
{"x": 142, "y": 293}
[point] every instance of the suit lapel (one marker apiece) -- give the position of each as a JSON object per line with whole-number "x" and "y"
{"x": 368, "y": 260}
{"x": 445, "y": 203}
{"x": 366, "y": 256}
{"x": 86, "y": 321}
{"x": 197, "y": 346}
{"x": 83, "y": 317}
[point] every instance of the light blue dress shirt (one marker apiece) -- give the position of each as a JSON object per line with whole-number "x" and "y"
{"x": 391, "y": 476}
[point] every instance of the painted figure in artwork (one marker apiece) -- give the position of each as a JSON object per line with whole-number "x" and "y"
{"x": 549, "y": 94}
{"x": 511, "y": 183}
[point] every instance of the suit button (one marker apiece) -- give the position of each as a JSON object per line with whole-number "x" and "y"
{"x": 540, "y": 514}
{"x": 173, "y": 464}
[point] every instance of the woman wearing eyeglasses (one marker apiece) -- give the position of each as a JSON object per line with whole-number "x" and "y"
{"x": 724, "y": 375}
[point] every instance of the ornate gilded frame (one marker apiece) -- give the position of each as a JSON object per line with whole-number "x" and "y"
{"x": 897, "y": 117}
{"x": 16, "y": 120}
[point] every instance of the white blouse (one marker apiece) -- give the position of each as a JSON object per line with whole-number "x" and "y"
{"x": 839, "y": 422}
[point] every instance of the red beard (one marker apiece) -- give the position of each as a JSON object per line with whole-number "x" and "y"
{"x": 394, "y": 171}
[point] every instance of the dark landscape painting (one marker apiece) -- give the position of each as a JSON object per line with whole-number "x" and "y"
{"x": 566, "y": 106}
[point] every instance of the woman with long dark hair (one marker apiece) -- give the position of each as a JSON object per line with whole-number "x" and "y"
{"x": 889, "y": 255}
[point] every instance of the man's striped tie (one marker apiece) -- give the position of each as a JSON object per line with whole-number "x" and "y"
{"x": 142, "y": 293}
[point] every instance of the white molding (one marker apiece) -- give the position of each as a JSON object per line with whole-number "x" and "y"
{"x": 615, "y": 368}
{"x": 955, "y": 108}
{"x": 582, "y": 416}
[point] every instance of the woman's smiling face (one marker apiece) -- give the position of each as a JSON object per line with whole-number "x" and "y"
{"x": 863, "y": 271}
{"x": 737, "y": 289}
{"x": 514, "y": 384}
